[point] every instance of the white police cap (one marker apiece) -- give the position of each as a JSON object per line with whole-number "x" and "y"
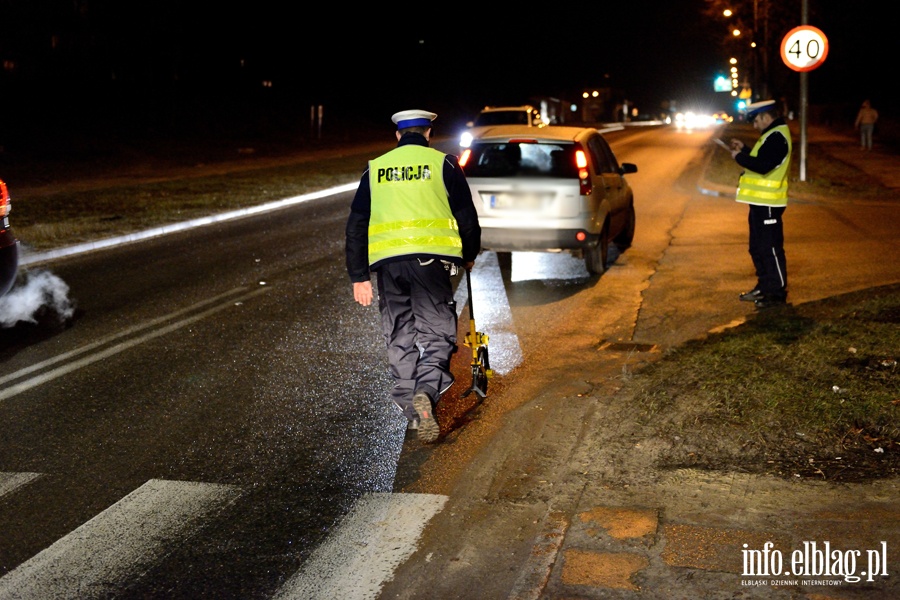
{"x": 758, "y": 108}
{"x": 413, "y": 118}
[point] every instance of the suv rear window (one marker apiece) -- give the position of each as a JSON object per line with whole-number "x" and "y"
{"x": 526, "y": 159}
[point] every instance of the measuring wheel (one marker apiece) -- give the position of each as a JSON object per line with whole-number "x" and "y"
{"x": 477, "y": 341}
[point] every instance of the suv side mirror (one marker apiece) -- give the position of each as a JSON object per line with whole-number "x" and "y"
{"x": 627, "y": 168}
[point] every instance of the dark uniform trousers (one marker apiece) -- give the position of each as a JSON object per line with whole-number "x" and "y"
{"x": 418, "y": 318}
{"x": 767, "y": 248}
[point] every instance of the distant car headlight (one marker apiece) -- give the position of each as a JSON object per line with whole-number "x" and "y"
{"x": 465, "y": 140}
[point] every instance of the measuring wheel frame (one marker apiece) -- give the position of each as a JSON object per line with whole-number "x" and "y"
{"x": 477, "y": 341}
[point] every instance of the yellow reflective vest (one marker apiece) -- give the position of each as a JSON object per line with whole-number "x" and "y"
{"x": 410, "y": 214}
{"x": 769, "y": 189}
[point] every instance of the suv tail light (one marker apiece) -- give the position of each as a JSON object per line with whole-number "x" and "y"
{"x": 584, "y": 174}
{"x": 4, "y": 200}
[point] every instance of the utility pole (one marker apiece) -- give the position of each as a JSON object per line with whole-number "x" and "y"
{"x": 761, "y": 54}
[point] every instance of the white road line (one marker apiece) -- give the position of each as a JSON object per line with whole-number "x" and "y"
{"x": 10, "y": 482}
{"x": 493, "y": 314}
{"x": 356, "y": 560}
{"x": 166, "y": 229}
{"x": 100, "y": 558}
{"x": 72, "y": 366}
{"x": 124, "y": 333}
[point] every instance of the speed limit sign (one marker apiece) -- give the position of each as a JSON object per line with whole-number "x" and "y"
{"x": 804, "y": 48}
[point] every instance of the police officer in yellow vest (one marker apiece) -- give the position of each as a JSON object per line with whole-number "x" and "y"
{"x": 411, "y": 222}
{"x": 764, "y": 186}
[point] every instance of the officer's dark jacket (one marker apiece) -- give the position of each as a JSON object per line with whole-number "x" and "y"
{"x": 770, "y": 155}
{"x": 459, "y": 198}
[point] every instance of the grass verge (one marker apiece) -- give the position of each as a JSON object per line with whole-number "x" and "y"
{"x": 73, "y": 216}
{"x": 804, "y": 391}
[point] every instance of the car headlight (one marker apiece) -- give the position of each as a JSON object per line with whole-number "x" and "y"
{"x": 465, "y": 140}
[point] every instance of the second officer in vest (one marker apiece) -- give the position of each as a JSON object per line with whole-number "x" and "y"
{"x": 411, "y": 222}
{"x": 764, "y": 186}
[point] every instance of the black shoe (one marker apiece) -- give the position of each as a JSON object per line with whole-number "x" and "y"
{"x": 771, "y": 300}
{"x": 428, "y": 425}
{"x": 751, "y": 296}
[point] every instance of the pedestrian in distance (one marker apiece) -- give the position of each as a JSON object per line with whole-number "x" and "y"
{"x": 865, "y": 123}
{"x": 763, "y": 185}
{"x": 413, "y": 224}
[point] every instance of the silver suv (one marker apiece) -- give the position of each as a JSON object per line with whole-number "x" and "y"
{"x": 501, "y": 115}
{"x": 550, "y": 189}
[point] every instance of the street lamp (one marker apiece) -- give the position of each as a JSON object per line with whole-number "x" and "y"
{"x": 759, "y": 57}
{"x": 735, "y": 78}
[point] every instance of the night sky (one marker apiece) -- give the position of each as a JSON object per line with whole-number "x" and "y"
{"x": 135, "y": 66}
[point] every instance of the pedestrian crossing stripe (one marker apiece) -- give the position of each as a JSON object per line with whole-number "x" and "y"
{"x": 358, "y": 558}
{"x": 105, "y": 553}
{"x": 129, "y": 538}
{"x": 10, "y": 482}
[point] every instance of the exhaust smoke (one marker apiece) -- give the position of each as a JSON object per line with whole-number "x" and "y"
{"x": 39, "y": 294}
